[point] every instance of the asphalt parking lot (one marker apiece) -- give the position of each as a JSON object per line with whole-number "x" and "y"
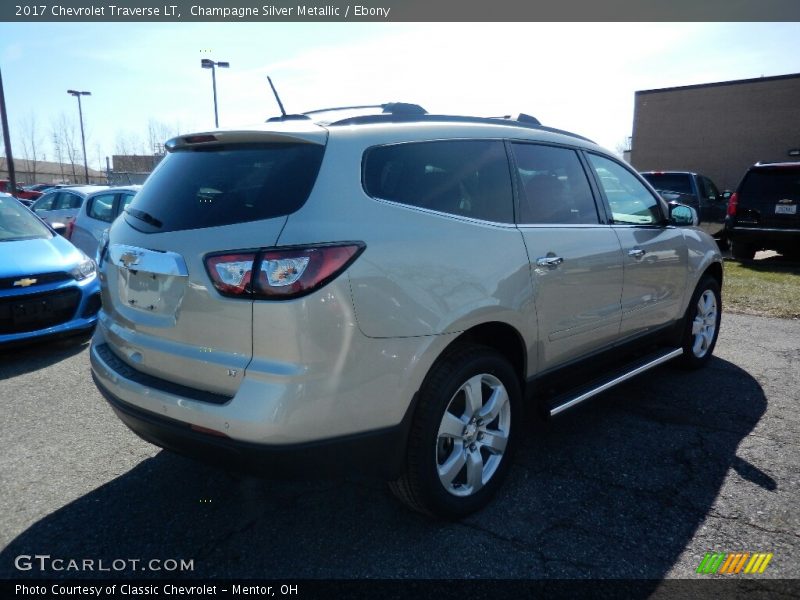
{"x": 640, "y": 483}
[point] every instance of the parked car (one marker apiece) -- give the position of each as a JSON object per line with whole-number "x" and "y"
{"x": 23, "y": 194}
{"x": 47, "y": 286}
{"x": 96, "y": 215}
{"x": 388, "y": 292}
{"x": 697, "y": 191}
{"x": 763, "y": 212}
{"x": 40, "y": 187}
{"x": 62, "y": 204}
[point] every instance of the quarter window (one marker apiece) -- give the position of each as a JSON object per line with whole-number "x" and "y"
{"x": 468, "y": 178}
{"x": 553, "y": 186}
{"x": 630, "y": 201}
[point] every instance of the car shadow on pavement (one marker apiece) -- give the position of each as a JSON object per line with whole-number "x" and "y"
{"x": 616, "y": 489}
{"x": 28, "y": 357}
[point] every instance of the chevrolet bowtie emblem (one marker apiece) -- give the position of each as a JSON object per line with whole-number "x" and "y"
{"x": 25, "y": 282}
{"x": 129, "y": 258}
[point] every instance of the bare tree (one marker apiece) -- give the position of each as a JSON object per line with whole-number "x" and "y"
{"x": 100, "y": 158}
{"x": 158, "y": 132}
{"x": 65, "y": 143}
{"x": 58, "y": 147}
{"x": 31, "y": 144}
{"x": 129, "y": 144}
{"x": 623, "y": 146}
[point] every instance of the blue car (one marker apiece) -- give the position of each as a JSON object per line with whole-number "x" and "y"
{"x": 47, "y": 286}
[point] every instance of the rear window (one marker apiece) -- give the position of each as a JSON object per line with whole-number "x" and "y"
{"x": 770, "y": 185}
{"x": 670, "y": 182}
{"x": 468, "y": 178}
{"x": 224, "y": 185}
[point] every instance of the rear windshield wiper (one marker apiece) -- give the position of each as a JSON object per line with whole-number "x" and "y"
{"x": 144, "y": 216}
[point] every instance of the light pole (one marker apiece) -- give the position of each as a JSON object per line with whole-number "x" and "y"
{"x": 207, "y": 63}
{"x": 78, "y": 95}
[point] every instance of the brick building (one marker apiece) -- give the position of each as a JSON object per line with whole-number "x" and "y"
{"x": 718, "y": 129}
{"x": 28, "y": 172}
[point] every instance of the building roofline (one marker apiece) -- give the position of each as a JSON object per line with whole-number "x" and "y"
{"x": 720, "y": 83}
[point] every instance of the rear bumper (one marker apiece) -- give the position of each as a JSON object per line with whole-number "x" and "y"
{"x": 376, "y": 453}
{"x": 763, "y": 235}
{"x": 268, "y": 426}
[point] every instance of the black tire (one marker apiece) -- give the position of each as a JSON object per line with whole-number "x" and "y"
{"x": 430, "y": 449}
{"x": 743, "y": 252}
{"x": 697, "y": 347}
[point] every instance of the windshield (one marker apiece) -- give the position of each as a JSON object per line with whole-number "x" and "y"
{"x": 670, "y": 182}
{"x": 223, "y": 185}
{"x": 18, "y": 223}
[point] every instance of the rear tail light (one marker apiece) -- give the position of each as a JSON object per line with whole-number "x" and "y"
{"x": 70, "y": 229}
{"x": 231, "y": 273}
{"x": 733, "y": 202}
{"x": 280, "y": 273}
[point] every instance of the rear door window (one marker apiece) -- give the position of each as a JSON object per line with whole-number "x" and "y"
{"x": 45, "y": 202}
{"x": 553, "y": 186}
{"x": 102, "y": 208}
{"x": 68, "y": 201}
{"x": 224, "y": 185}
{"x": 467, "y": 178}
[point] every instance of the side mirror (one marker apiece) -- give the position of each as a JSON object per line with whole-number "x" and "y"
{"x": 59, "y": 228}
{"x": 682, "y": 215}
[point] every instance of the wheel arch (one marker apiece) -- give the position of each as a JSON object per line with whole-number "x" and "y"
{"x": 714, "y": 270}
{"x": 505, "y": 339}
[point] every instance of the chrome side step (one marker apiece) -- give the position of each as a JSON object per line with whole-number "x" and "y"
{"x": 568, "y": 400}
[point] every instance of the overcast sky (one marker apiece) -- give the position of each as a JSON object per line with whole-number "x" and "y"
{"x": 574, "y": 76}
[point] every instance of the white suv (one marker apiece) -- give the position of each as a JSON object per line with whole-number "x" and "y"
{"x": 388, "y": 292}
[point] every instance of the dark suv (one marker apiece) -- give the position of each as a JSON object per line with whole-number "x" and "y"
{"x": 763, "y": 213}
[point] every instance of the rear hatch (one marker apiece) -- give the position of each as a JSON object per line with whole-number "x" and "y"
{"x": 228, "y": 193}
{"x": 769, "y": 196}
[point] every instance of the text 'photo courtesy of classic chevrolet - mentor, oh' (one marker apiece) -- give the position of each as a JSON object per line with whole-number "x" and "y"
{"x": 386, "y": 291}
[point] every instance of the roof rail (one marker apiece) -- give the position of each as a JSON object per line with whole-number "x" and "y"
{"x": 388, "y": 108}
{"x": 525, "y": 121}
{"x": 521, "y": 118}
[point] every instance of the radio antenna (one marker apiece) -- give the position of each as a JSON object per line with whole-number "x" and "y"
{"x": 278, "y": 98}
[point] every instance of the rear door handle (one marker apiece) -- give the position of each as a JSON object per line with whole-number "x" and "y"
{"x": 549, "y": 261}
{"x": 636, "y": 253}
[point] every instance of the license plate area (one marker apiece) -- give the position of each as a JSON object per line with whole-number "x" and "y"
{"x": 24, "y": 313}
{"x": 37, "y": 311}
{"x": 149, "y": 292}
{"x": 786, "y": 209}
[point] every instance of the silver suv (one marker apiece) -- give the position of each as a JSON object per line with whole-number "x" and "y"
{"x": 388, "y": 293}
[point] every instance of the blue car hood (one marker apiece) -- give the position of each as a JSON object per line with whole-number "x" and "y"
{"x": 29, "y": 257}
